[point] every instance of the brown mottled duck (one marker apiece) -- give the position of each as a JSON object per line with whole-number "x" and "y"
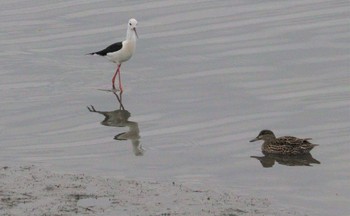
{"x": 287, "y": 145}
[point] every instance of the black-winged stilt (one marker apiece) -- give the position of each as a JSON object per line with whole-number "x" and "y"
{"x": 121, "y": 51}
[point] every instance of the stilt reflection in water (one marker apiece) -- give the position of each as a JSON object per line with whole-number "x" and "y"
{"x": 120, "y": 118}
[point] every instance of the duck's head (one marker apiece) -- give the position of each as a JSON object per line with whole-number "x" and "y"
{"x": 264, "y": 135}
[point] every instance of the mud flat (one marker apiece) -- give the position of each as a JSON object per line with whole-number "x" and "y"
{"x": 31, "y": 190}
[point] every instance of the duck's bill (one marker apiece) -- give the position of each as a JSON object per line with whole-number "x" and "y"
{"x": 255, "y": 139}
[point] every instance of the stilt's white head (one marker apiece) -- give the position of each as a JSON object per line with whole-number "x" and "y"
{"x": 132, "y": 27}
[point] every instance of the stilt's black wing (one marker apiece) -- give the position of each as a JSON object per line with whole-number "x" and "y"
{"x": 110, "y": 49}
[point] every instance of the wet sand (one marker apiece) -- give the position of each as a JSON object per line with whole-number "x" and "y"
{"x": 31, "y": 190}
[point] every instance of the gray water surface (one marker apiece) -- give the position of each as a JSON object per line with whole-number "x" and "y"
{"x": 206, "y": 77}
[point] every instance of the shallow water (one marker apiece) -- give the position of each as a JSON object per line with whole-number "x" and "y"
{"x": 207, "y": 76}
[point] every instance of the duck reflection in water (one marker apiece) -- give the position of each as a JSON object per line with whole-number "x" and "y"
{"x": 120, "y": 118}
{"x": 268, "y": 160}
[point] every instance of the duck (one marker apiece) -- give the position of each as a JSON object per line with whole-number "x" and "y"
{"x": 286, "y": 145}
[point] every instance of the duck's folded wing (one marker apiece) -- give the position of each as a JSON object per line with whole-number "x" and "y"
{"x": 290, "y": 140}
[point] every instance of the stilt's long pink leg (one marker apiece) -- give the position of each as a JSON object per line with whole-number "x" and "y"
{"x": 115, "y": 74}
{"x": 120, "y": 82}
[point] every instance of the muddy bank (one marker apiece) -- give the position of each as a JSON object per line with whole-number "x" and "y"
{"x": 31, "y": 190}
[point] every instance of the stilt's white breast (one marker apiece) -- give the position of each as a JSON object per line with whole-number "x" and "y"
{"x": 123, "y": 54}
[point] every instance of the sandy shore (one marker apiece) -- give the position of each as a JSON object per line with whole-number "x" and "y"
{"x": 31, "y": 190}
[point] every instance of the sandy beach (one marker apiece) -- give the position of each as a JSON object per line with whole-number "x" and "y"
{"x": 31, "y": 190}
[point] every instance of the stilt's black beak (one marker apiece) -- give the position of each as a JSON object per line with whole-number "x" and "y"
{"x": 136, "y": 32}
